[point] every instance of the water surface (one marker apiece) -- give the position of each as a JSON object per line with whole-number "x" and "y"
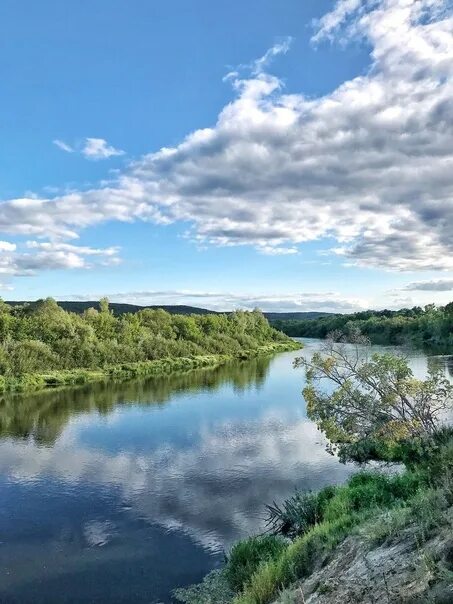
{"x": 120, "y": 493}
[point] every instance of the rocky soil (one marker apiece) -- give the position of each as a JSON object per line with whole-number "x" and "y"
{"x": 399, "y": 571}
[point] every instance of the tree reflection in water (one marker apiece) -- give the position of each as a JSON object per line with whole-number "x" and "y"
{"x": 43, "y": 416}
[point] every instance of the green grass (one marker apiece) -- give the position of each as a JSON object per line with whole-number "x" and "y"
{"x": 297, "y": 560}
{"x": 425, "y": 510}
{"x": 378, "y": 507}
{"x": 248, "y": 555}
{"x": 397, "y": 500}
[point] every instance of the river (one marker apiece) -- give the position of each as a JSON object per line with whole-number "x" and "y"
{"x": 118, "y": 493}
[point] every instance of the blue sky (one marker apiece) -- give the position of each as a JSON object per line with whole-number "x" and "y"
{"x": 291, "y": 155}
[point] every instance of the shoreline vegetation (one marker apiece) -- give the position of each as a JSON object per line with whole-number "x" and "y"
{"x": 43, "y": 346}
{"x": 32, "y": 382}
{"x": 41, "y": 416}
{"x": 384, "y": 536}
{"x": 428, "y": 328}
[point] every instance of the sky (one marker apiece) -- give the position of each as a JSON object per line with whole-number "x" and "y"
{"x": 274, "y": 153}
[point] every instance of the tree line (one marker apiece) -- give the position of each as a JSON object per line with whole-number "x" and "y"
{"x": 430, "y": 327}
{"x": 41, "y": 336}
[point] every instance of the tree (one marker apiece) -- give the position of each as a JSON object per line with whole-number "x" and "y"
{"x": 104, "y": 305}
{"x": 375, "y": 399}
{"x": 42, "y": 336}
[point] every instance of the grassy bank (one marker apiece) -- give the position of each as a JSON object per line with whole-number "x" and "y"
{"x": 307, "y": 528}
{"x": 28, "y": 382}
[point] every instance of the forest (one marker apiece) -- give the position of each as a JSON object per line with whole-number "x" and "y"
{"x": 42, "y": 339}
{"x": 429, "y": 327}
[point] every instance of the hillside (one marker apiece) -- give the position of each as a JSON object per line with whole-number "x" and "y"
{"x": 393, "y": 568}
{"x": 295, "y": 316}
{"x": 120, "y": 308}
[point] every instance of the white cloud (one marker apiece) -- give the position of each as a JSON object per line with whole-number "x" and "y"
{"x": 328, "y": 25}
{"x": 38, "y": 255}
{"x": 98, "y": 148}
{"x": 6, "y": 246}
{"x": 278, "y": 49}
{"x": 63, "y": 146}
{"x": 369, "y": 165}
{"x": 437, "y": 285}
{"x": 189, "y": 485}
{"x": 91, "y": 148}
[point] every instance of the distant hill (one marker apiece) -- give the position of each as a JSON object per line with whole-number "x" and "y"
{"x": 294, "y": 316}
{"x": 120, "y": 308}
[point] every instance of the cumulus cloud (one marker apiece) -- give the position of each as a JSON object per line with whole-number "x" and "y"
{"x": 369, "y": 164}
{"x": 36, "y": 256}
{"x": 439, "y": 285}
{"x": 6, "y": 246}
{"x": 226, "y": 301}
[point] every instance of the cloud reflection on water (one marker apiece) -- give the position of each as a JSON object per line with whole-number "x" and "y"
{"x": 211, "y": 490}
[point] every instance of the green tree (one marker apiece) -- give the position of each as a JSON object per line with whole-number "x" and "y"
{"x": 374, "y": 398}
{"x": 41, "y": 336}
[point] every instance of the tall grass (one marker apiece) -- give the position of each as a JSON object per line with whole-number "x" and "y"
{"x": 340, "y": 510}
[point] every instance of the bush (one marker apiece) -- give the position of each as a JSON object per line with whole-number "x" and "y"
{"x": 413, "y": 452}
{"x": 248, "y": 555}
{"x": 298, "y": 513}
{"x": 41, "y": 337}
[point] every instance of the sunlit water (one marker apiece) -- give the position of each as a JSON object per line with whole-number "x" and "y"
{"x": 120, "y": 493}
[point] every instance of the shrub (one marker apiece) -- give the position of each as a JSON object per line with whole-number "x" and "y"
{"x": 296, "y": 515}
{"x": 248, "y": 555}
{"x": 41, "y": 337}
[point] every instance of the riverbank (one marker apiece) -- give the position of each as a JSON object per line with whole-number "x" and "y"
{"x": 429, "y": 329}
{"x": 33, "y": 382}
{"x": 378, "y": 538}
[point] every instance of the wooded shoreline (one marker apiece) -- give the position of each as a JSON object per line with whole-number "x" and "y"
{"x": 34, "y": 382}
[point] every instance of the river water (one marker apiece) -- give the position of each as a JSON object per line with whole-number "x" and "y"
{"x": 120, "y": 493}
